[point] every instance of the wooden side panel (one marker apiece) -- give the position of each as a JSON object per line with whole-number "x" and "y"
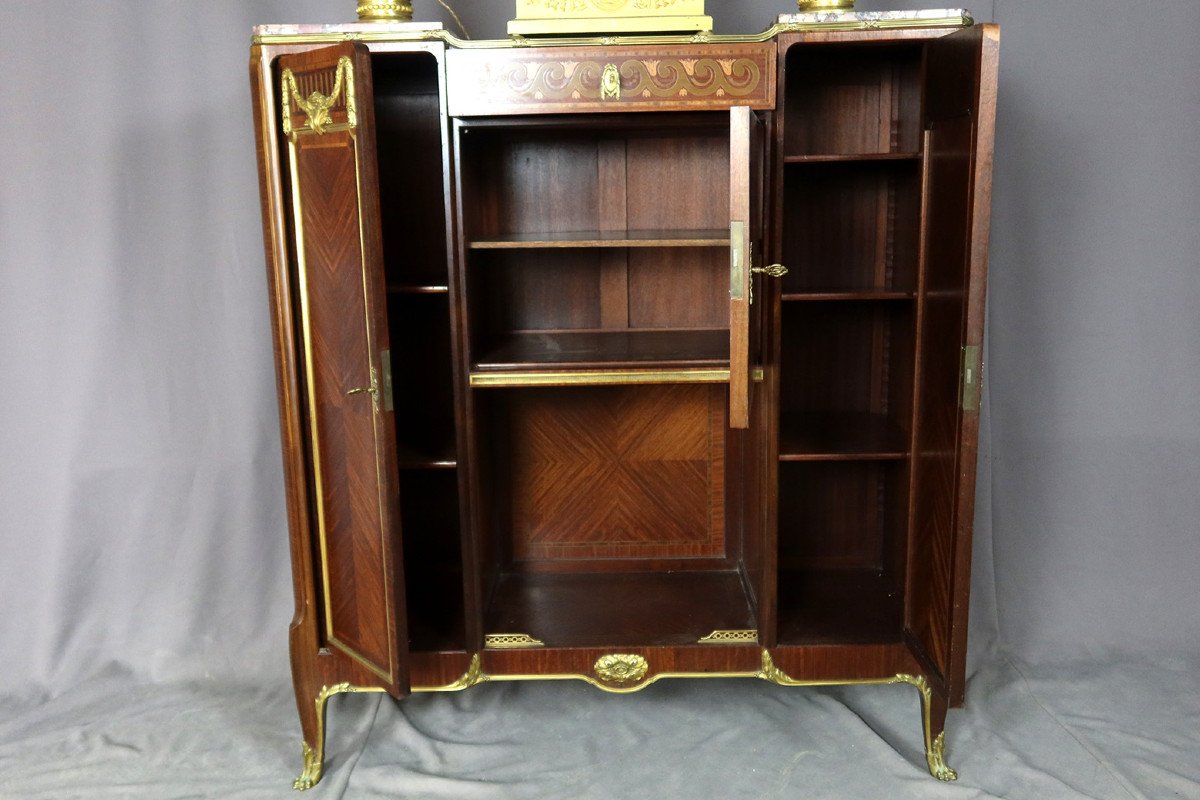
{"x": 335, "y": 206}
{"x": 960, "y": 115}
{"x": 554, "y": 80}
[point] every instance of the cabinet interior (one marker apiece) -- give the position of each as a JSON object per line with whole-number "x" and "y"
{"x": 597, "y": 241}
{"x": 851, "y": 229}
{"x": 607, "y": 511}
{"x": 593, "y": 242}
{"x": 410, "y": 141}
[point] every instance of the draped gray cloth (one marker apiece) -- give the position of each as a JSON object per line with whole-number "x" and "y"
{"x": 144, "y": 580}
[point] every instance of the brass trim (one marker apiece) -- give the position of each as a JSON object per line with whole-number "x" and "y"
{"x": 620, "y": 668}
{"x": 314, "y": 755}
{"x": 488, "y": 380}
{"x": 737, "y": 267}
{"x": 385, "y": 10}
{"x": 698, "y": 23}
{"x": 317, "y": 106}
{"x": 806, "y": 6}
{"x": 559, "y": 17}
{"x": 510, "y": 641}
{"x": 423, "y": 34}
{"x": 472, "y": 677}
{"x": 935, "y": 747}
{"x": 749, "y": 636}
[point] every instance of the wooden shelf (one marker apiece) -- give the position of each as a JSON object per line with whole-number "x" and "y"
{"x": 607, "y": 350}
{"x": 840, "y": 437}
{"x": 856, "y": 158}
{"x": 581, "y": 239}
{"x": 409, "y": 457}
{"x": 618, "y": 609}
{"x": 396, "y": 288}
{"x": 853, "y": 295}
{"x": 835, "y": 606}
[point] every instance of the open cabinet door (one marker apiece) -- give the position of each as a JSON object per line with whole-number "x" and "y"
{"x": 960, "y": 107}
{"x": 746, "y": 244}
{"x": 328, "y": 118}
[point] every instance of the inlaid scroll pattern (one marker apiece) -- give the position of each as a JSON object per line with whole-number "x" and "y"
{"x": 651, "y": 79}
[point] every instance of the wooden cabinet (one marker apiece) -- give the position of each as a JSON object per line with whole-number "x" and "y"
{"x": 627, "y": 362}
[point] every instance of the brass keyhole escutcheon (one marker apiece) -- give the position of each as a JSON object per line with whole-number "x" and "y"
{"x": 610, "y": 83}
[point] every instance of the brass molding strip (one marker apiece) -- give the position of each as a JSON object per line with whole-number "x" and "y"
{"x": 624, "y": 668}
{"x": 423, "y": 34}
{"x": 623, "y": 377}
{"x": 620, "y": 26}
{"x": 749, "y": 636}
{"x": 510, "y": 641}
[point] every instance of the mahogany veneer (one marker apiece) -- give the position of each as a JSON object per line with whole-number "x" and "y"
{"x": 463, "y": 245}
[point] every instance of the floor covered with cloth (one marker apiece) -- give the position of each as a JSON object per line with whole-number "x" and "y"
{"x": 1051, "y": 732}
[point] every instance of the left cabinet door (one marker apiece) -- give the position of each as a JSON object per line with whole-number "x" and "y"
{"x": 329, "y": 122}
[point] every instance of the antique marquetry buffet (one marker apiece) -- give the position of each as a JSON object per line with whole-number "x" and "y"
{"x": 629, "y": 357}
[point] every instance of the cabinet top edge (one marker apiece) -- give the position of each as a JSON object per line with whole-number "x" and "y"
{"x": 369, "y": 32}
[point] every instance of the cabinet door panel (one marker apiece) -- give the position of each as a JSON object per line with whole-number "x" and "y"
{"x": 959, "y": 123}
{"x": 329, "y": 123}
{"x": 746, "y": 229}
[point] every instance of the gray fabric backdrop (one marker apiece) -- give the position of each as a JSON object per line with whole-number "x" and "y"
{"x": 142, "y": 529}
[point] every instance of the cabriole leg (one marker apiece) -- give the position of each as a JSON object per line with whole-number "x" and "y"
{"x": 933, "y": 721}
{"x": 314, "y": 735}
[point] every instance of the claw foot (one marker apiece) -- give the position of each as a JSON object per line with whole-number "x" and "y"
{"x": 313, "y": 767}
{"x": 937, "y": 760}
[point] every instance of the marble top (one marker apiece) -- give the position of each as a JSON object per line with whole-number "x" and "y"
{"x": 871, "y": 17}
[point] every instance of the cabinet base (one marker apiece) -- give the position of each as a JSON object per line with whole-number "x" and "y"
{"x": 633, "y": 677}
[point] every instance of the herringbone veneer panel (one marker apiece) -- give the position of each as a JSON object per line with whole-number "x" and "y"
{"x": 620, "y": 472}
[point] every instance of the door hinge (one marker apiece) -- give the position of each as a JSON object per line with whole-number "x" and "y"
{"x": 972, "y": 375}
{"x": 385, "y": 363}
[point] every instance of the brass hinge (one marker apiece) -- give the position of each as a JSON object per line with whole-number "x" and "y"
{"x": 737, "y": 270}
{"x": 972, "y": 369}
{"x": 385, "y": 362}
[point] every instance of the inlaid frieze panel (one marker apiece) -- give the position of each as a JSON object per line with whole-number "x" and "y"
{"x": 556, "y": 80}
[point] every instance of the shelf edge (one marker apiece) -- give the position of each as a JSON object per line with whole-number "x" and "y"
{"x": 624, "y": 377}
